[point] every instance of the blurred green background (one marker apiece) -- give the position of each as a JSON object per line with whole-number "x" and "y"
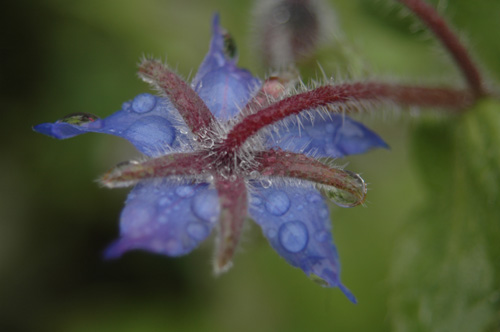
{"x": 60, "y": 57}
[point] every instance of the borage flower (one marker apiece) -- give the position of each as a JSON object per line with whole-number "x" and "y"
{"x": 220, "y": 150}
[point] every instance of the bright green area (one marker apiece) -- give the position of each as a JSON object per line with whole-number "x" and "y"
{"x": 421, "y": 256}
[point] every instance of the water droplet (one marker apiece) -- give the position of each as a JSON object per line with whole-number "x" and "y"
{"x": 265, "y": 183}
{"x": 255, "y": 200}
{"x": 330, "y": 128}
{"x": 225, "y": 171}
{"x": 126, "y": 163}
{"x": 293, "y": 236}
{"x": 151, "y": 132}
{"x": 314, "y": 198}
{"x": 164, "y": 201}
{"x": 184, "y": 191}
{"x": 197, "y": 231}
{"x": 278, "y": 203}
{"x": 322, "y": 236}
{"x": 143, "y": 103}
{"x": 233, "y": 178}
{"x": 332, "y": 151}
{"x": 353, "y": 195}
{"x": 254, "y": 174}
{"x": 208, "y": 143}
{"x": 173, "y": 247}
{"x": 78, "y": 118}
{"x": 205, "y": 206}
{"x": 136, "y": 217}
{"x": 183, "y": 131}
{"x": 324, "y": 213}
{"x": 271, "y": 233}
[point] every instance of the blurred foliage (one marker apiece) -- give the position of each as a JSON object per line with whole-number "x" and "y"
{"x": 421, "y": 256}
{"x": 446, "y": 273}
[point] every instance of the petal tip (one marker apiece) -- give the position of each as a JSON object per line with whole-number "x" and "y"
{"x": 348, "y": 293}
{"x": 43, "y": 128}
{"x": 113, "y": 251}
{"x": 215, "y": 21}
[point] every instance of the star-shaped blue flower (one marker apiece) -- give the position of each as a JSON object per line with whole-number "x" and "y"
{"x": 220, "y": 150}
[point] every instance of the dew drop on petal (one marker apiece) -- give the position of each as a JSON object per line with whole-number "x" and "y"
{"x": 173, "y": 247}
{"x": 324, "y": 213}
{"x": 136, "y": 218}
{"x": 164, "y": 201}
{"x": 143, "y": 103}
{"x": 271, "y": 233}
{"x": 293, "y": 236}
{"x": 255, "y": 200}
{"x": 332, "y": 150}
{"x": 265, "y": 183}
{"x": 278, "y": 203}
{"x": 78, "y": 118}
{"x": 330, "y": 128}
{"x": 151, "y": 129}
{"x": 205, "y": 206}
{"x": 184, "y": 191}
{"x": 197, "y": 231}
{"x": 314, "y": 198}
{"x": 321, "y": 236}
{"x": 254, "y": 174}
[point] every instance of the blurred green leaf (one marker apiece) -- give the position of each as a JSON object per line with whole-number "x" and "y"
{"x": 446, "y": 270}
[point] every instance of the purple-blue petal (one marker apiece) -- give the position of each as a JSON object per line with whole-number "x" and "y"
{"x": 166, "y": 218}
{"x": 224, "y": 87}
{"x": 335, "y": 136}
{"x": 147, "y": 121}
{"x": 296, "y": 221}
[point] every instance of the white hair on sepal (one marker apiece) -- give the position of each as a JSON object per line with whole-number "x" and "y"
{"x": 304, "y": 146}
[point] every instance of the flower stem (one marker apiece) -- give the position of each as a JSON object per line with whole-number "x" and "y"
{"x": 450, "y": 41}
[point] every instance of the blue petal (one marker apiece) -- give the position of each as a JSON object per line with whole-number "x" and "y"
{"x": 147, "y": 122}
{"x": 336, "y": 136}
{"x": 296, "y": 221}
{"x": 166, "y": 218}
{"x": 224, "y": 87}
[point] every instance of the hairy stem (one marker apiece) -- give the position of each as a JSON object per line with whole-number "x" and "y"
{"x": 190, "y": 106}
{"x": 450, "y": 41}
{"x": 342, "y": 95}
{"x": 294, "y": 165}
{"x": 233, "y": 206}
{"x": 175, "y": 164}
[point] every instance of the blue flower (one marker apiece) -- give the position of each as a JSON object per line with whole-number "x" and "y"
{"x": 216, "y": 153}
